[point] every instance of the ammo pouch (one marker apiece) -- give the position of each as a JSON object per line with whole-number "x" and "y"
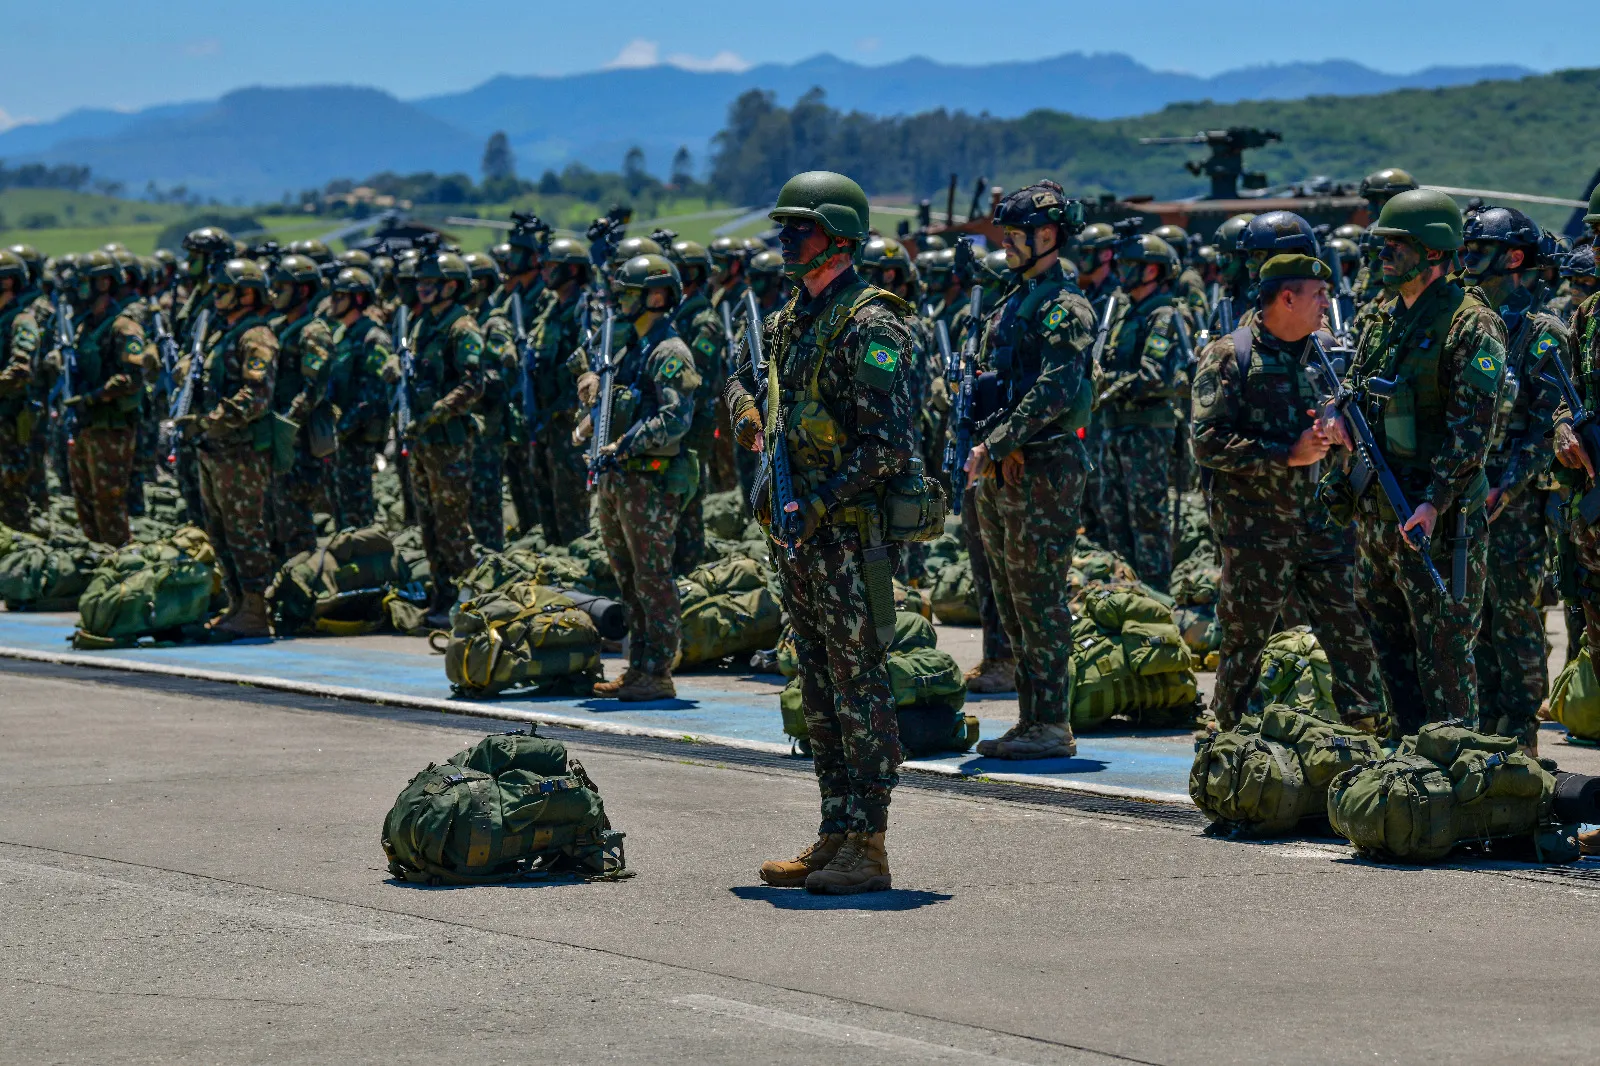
{"x": 281, "y": 434}
{"x": 322, "y": 431}
{"x": 914, "y": 506}
{"x": 877, "y": 574}
{"x": 682, "y": 471}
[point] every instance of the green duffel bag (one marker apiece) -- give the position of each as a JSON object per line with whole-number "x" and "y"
{"x": 40, "y": 574}
{"x": 1199, "y": 628}
{"x": 496, "y": 569}
{"x": 343, "y": 580}
{"x": 725, "y": 515}
{"x": 1195, "y": 580}
{"x": 520, "y": 635}
{"x": 511, "y": 805}
{"x": 1575, "y": 699}
{"x": 911, "y": 631}
{"x": 1270, "y": 773}
{"x": 954, "y": 599}
{"x": 1445, "y": 787}
{"x": 920, "y": 676}
{"x": 141, "y": 591}
{"x": 1107, "y": 678}
{"x": 713, "y": 627}
{"x": 1295, "y": 671}
{"x": 934, "y": 728}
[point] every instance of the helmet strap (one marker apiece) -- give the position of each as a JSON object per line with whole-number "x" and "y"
{"x": 798, "y": 271}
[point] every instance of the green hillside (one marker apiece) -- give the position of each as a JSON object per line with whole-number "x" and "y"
{"x": 1534, "y": 135}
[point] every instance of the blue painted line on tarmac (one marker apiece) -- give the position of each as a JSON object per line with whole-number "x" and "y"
{"x": 1151, "y": 765}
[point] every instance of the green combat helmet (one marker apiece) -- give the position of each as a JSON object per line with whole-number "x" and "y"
{"x": 632, "y": 248}
{"x": 1176, "y": 236}
{"x": 1206, "y": 255}
{"x": 1227, "y": 235}
{"x": 354, "y": 257}
{"x": 31, "y": 259}
{"x": 241, "y": 274}
{"x": 932, "y": 242}
{"x": 296, "y": 269}
{"x": 691, "y": 258}
{"x": 1095, "y": 236}
{"x": 1592, "y": 219}
{"x": 354, "y": 279}
{"x": 12, "y": 266}
{"x": 1144, "y": 248}
{"x": 1379, "y": 186}
{"x": 766, "y": 272}
{"x": 752, "y": 246}
{"x": 724, "y": 249}
{"x": 832, "y": 201}
{"x": 501, "y": 254}
{"x": 1350, "y": 232}
{"x": 884, "y": 253}
{"x": 642, "y": 274}
{"x": 446, "y": 266}
{"x": 481, "y": 267}
{"x": 313, "y": 250}
{"x": 1430, "y": 218}
{"x": 567, "y": 250}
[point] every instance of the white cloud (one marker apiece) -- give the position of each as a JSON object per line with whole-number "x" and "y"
{"x": 639, "y": 53}
{"x": 636, "y": 53}
{"x": 6, "y": 121}
{"x": 723, "y": 62}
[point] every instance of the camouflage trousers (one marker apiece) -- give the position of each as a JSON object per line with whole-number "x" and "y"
{"x": 996, "y": 645}
{"x": 1425, "y": 647}
{"x": 100, "y": 460}
{"x": 1029, "y": 531}
{"x": 561, "y": 474}
{"x": 1135, "y": 470}
{"x": 1261, "y": 574}
{"x": 637, "y": 518}
{"x": 723, "y": 468}
{"x": 689, "y": 544}
{"x": 234, "y": 482}
{"x": 16, "y": 472}
{"x": 296, "y": 494}
{"x": 844, "y": 679}
{"x": 1585, "y": 542}
{"x": 486, "y": 512}
{"x": 519, "y": 468}
{"x": 351, "y": 473}
{"x": 186, "y": 469}
{"x": 441, "y": 479}
{"x": 1512, "y": 677}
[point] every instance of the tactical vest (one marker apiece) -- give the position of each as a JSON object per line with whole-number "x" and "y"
{"x": 1412, "y": 429}
{"x": 13, "y": 405}
{"x": 431, "y": 366}
{"x": 96, "y": 366}
{"x": 1523, "y": 354}
{"x": 290, "y": 380}
{"x": 1586, "y": 356}
{"x": 225, "y": 376}
{"x": 1127, "y": 346}
{"x": 1275, "y": 392}
{"x": 1017, "y": 355}
{"x": 635, "y": 400}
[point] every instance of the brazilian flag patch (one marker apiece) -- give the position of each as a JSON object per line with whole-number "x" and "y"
{"x": 672, "y": 366}
{"x": 883, "y": 357}
{"x": 878, "y": 365}
{"x": 705, "y": 347}
{"x": 1055, "y": 317}
{"x": 1157, "y": 344}
{"x": 1483, "y": 368}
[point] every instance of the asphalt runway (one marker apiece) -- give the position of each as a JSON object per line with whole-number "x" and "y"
{"x": 190, "y": 872}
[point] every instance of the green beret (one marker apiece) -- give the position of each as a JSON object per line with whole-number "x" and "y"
{"x": 1295, "y": 266}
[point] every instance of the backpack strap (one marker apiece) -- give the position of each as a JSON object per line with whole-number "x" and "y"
{"x": 1244, "y": 340}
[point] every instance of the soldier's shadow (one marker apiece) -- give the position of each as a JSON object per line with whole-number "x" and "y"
{"x": 674, "y": 704}
{"x": 978, "y": 765}
{"x": 798, "y": 899}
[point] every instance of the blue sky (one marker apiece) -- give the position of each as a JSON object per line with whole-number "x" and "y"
{"x": 57, "y": 55}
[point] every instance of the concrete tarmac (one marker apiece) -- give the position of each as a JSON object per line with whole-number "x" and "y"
{"x": 190, "y": 872}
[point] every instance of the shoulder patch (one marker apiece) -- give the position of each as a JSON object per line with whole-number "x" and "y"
{"x": 880, "y": 359}
{"x": 469, "y": 345}
{"x": 1485, "y": 367}
{"x": 1206, "y": 390}
{"x": 882, "y": 356}
{"x": 256, "y": 365}
{"x": 1156, "y": 344}
{"x": 1056, "y": 316}
{"x": 705, "y": 346}
{"x": 672, "y": 367}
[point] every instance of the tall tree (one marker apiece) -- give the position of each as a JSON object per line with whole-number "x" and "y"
{"x": 634, "y": 176}
{"x": 682, "y": 167}
{"x": 498, "y": 162}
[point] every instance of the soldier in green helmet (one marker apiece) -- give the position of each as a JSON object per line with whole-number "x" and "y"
{"x": 21, "y": 389}
{"x": 1233, "y": 274}
{"x": 522, "y": 293}
{"x": 1097, "y": 262}
{"x": 446, "y": 381}
{"x": 1028, "y": 465}
{"x": 1141, "y": 376}
{"x": 1377, "y": 188}
{"x": 108, "y": 394}
{"x": 357, "y": 392}
{"x": 205, "y": 250}
{"x": 299, "y": 387}
{"x": 645, "y": 473}
{"x": 486, "y": 507}
{"x": 1445, "y": 351}
{"x": 1189, "y": 286}
{"x": 232, "y": 426}
{"x": 838, "y": 405}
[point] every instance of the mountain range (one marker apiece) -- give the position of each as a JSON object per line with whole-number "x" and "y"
{"x": 255, "y": 144}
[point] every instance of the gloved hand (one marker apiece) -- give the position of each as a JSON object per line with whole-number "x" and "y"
{"x": 811, "y": 511}
{"x": 588, "y": 388}
{"x": 939, "y": 395}
{"x": 390, "y": 372}
{"x": 582, "y": 431}
{"x": 747, "y": 426}
{"x": 188, "y": 427}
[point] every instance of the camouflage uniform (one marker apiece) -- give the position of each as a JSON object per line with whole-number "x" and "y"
{"x": 690, "y": 322}
{"x": 1276, "y": 539}
{"x": 1138, "y": 383}
{"x": 112, "y": 358}
{"x": 853, "y": 343}
{"x": 360, "y": 351}
{"x": 447, "y": 379}
{"x": 305, "y": 350}
{"x": 1038, "y": 341}
{"x": 1512, "y": 678}
{"x": 1448, "y": 350}
{"x": 637, "y": 506}
{"x": 521, "y": 463}
{"x": 561, "y": 471}
{"x": 486, "y": 509}
{"x": 710, "y": 343}
{"x": 235, "y": 450}
{"x": 20, "y": 412}
{"x": 1584, "y": 334}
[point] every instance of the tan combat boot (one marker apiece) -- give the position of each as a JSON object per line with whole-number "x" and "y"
{"x": 793, "y": 873}
{"x": 988, "y": 748}
{"x": 1040, "y": 740}
{"x": 608, "y": 689}
{"x": 993, "y": 676}
{"x": 1589, "y": 843}
{"x": 862, "y": 865}
{"x": 645, "y": 687}
{"x": 250, "y": 620}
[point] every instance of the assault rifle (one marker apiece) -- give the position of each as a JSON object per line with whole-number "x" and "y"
{"x": 775, "y": 470}
{"x": 168, "y": 347}
{"x": 1370, "y": 461}
{"x": 1342, "y": 305}
{"x": 1584, "y": 426}
{"x": 606, "y": 232}
{"x": 600, "y": 416}
{"x": 402, "y": 391}
{"x": 726, "y": 311}
{"x": 528, "y": 361}
{"x": 62, "y": 401}
{"x": 1213, "y": 298}
{"x": 191, "y": 381}
{"x": 752, "y": 334}
{"x": 1102, "y": 334}
{"x": 960, "y": 446}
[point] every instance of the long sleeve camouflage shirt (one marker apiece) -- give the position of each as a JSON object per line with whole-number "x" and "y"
{"x": 1048, "y": 324}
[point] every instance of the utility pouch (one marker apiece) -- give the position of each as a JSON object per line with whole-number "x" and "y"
{"x": 1400, "y": 422}
{"x": 1458, "y": 578}
{"x": 1336, "y": 492}
{"x": 877, "y": 574}
{"x": 1082, "y": 407}
{"x": 322, "y": 432}
{"x": 914, "y": 506}
{"x": 282, "y": 432}
{"x": 683, "y": 476}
